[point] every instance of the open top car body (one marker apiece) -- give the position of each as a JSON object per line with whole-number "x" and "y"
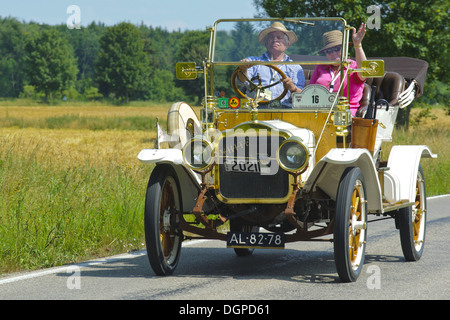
{"x": 258, "y": 171}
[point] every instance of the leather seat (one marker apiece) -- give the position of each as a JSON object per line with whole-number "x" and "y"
{"x": 393, "y": 84}
{"x": 388, "y": 87}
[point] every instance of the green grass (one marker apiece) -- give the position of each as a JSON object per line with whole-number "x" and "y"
{"x": 52, "y": 214}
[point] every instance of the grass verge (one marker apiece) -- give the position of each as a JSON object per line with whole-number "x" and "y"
{"x": 58, "y": 206}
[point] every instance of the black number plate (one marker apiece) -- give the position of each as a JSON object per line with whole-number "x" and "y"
{"x": 255, "y": 240}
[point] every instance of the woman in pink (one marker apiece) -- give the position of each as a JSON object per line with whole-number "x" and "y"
{"x": 329, "y": 75}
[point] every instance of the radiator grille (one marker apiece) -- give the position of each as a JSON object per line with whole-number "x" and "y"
{"x": 250, "y": 152}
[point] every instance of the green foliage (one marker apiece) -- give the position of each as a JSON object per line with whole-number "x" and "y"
{"x": 92, "y": 93}
{"x": 245, "y": 40}
{"x": 193, "y": 47}
{"x": 162, "y": 87}
{"x": 50, "y": 62}
{"x": 11, "y": 57}
{"x": 436, "y": 92}
{"x": 86, "y": 44}
{"x": 123, "y": 67}
{"x": 156, "y": 82}
{"x": 29, "y": 92}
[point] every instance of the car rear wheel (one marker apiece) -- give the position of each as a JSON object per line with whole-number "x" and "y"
{"x": 350, "y": 225}
{"x": 163, "y": 238}
{"x": 412, "y": 222}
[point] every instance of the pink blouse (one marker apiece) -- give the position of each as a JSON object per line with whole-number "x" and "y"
{"x": 323, "y": 75}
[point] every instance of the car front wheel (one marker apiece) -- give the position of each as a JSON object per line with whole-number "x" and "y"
{"x": 163, "y": 238}
{"x": 350, "y": 225}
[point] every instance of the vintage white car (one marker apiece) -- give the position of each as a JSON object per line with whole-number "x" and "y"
{"x": 262, "y": 167}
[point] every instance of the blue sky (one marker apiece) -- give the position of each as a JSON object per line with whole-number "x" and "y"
{"x": 168, "y": 14}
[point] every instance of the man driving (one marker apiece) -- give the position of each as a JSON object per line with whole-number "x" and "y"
{"x": 277, "y": 40}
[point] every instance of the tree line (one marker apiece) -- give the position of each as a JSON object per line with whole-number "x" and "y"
{"x": 122, "y": 62}
{"x": 136, "y": 62}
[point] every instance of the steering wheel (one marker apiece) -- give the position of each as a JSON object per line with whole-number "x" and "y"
{"x": 258, "y": 86}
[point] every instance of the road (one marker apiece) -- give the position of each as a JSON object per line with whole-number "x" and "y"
{"x": 304, "y": 270}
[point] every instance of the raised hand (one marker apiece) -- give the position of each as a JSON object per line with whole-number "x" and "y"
{"x": 358, "y": 36}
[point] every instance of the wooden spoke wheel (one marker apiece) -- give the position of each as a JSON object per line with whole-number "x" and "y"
{"x": 350, "y": 225}
{"x": 162, "y": 236}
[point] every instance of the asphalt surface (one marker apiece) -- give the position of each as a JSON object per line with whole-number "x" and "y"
{"x": 209, "y": 271}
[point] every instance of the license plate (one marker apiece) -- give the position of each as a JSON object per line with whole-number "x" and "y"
{"x": 255, "y": 240}
{"x": 252, "y": 166}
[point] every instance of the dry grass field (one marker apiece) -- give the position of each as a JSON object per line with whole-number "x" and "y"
{"x": 72, "y": 188}
{"x": 86, "y": 110}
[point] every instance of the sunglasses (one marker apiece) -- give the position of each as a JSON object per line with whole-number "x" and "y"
{"x": 331, "y": 50}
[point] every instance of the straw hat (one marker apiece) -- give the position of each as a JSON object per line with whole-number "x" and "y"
{"x": 277, "y": 26}
{"x": 331, "y": 39}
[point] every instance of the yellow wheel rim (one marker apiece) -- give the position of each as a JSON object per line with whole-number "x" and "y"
{"x": 357, "y": 225}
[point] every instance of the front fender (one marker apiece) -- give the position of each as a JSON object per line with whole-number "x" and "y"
{"x": 328, "y": 171}
{"x": 173, "y": 157}
{"x": 190, "y": 182}
{"x": 161, "y": 156}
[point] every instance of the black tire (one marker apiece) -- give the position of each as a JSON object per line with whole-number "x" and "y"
{"x": 350, "y": 225}
{"x": 162, "y": 202}
{"x": 412, "y": 222}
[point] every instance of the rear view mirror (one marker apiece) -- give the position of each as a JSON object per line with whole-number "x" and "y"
{"x": 186, "y": 71}
{"x": 372, "y": 68}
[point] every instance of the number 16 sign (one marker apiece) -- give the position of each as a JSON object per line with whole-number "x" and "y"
{"x": 313, "y": 97}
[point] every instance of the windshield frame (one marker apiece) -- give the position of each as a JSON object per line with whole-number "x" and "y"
{"x": 210, "y": 63}
{"x": 214, "y": 29}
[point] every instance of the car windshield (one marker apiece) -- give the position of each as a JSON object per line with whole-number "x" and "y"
{"x": 293, "y": 46}
{"x": 237, "y": 39}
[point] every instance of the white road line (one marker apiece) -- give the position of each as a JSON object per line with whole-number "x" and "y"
{"x": 69, "y": 268}
{"x": 440, "y": 196}
{"x": 41, "y": 273}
